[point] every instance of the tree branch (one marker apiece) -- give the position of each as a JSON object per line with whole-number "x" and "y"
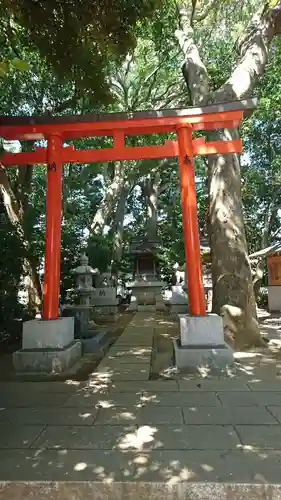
{"x": 253, "y": 49}
{"x": 193, "y": 68}
{"x": 62, "y": 106}
{"x": 204, "y": 13}
{"x": 264, "y": 252}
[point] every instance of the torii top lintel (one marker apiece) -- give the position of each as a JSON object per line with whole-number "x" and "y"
{"x": 118, "y": 125}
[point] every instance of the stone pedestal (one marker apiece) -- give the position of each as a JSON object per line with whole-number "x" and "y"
{"x": 48, "y": 347}
{"x": 83, "y": 319}
{"x": 105, "y": 302}
{"x": 178, "y": 300}
{"x": 146, "y": 295}
{"x": 274, "y": 298}
{"x": 201, "y": 347}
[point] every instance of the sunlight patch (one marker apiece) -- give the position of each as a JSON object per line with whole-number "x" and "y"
{"x": 80, "y": 466}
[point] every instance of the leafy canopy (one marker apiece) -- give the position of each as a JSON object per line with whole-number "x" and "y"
{"x": 77, "y": 37}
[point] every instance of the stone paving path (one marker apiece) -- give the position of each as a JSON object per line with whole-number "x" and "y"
{"x": 121, "y": 427}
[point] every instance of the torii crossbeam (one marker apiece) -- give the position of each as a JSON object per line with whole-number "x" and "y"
{"x": 118, "y": 125}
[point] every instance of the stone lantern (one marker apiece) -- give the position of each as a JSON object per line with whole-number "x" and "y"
{"x": 84, "y": 280}
{"x": 84, "y": 288}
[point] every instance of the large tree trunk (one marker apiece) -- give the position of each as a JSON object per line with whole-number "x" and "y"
{"x": 107, "y": 205}
{"x": 231, "y": 271}
{"x": 232, "y": 280}
{"x": 15, "y": 209}
{"x": 117, "y": 249}
{"x": 151, "y": 192}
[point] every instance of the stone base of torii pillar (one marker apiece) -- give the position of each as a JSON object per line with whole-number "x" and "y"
{"x": 201, "y": 346}
{"x": 48, "y": 347}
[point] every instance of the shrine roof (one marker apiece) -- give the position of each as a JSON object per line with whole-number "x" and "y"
{"x": 242, "y": 105}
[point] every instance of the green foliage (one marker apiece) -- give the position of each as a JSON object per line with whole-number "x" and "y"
{"x": 261, "y": 169}
{"x": 10, "y": 271}
{"x": 76, "y": 37}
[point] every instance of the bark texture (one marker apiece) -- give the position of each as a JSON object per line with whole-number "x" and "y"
{"x": 107, "y": 205}
{"x": 117, "y": 249}
{"x": 151, "y": 189}
{"x": 15, "y": 203}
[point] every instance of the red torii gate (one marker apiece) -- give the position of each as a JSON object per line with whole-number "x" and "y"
{"x": 118, "y": 125}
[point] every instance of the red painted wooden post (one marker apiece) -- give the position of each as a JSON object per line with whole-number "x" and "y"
{"x": 190, "y": 223}
{"x": 53, "y": 228}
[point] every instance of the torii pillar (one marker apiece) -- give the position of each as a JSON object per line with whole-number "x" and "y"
{"x": 201, "y": 346}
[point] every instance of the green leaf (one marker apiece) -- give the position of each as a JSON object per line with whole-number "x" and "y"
{"x": 20, "y": 64}
{"x": 4, "y": 68}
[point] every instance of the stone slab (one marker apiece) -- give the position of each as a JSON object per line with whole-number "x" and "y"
{"x": 264, "y": 385}
{"x": 176, "y": 309}
{"x": 214, "y": 384}
{"x": 125, "y": 371}
{"x": 138, "y": 358}
{"x": 131, "y": 343}
{"x": 264, "y": 465}
{"x": 150, "y": 385}
{"x": 83, "y": 438}
{"x": 209, "y": 359}
{"x": 104, "y": 296}
{"x": 228, "y": 416}
{"x": 32, "y": 399}
{"x": 132, "y": 328}
{"x": 260, "y": 436}
{"x": 168, "y": 466}
{"x": 114, "y": 364}
{"x": 51, "y": 334}
{"x": 146, "y": 415}
{"x": 48, "y": 416}
{"x": 180, "y": 399}
{"x": 47, "y": 361}
{"x": 201, "y": 330}
{"x": 146, "y": 308}
{"x": 120, "y": 352}
{"x": 257, "y": 398}
{"x": 36, "y": 387}
{"x": 123, "y": 415}
{"x": 136, "y": 337}
{"x": 94, "y": 344}
{"x": 275, "y": 411}
{"x": 183, "y": 437}
{"x": 88, "y": 400}
{"x": 18, "y": 436}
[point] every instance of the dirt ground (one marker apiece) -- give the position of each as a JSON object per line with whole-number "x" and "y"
{"x": 7, "y": 372}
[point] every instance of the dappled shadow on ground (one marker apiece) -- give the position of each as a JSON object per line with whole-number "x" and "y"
{"x": 173, "y": 432}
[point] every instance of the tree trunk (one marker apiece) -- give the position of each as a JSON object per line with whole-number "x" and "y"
{"x": 151, "y": 192}
{"x": 117, "y": 249}
{"x": 231, "y": 271}
{"x": 107, "y": 205}
{"x": 33, "y": 286}
{"x": 15, "y": 210}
